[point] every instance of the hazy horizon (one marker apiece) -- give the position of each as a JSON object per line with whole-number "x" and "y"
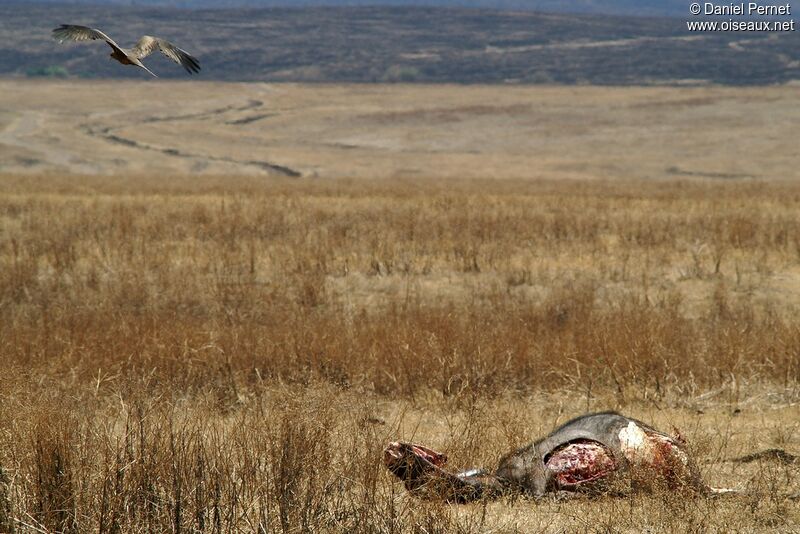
{"x": 613, "y": 7}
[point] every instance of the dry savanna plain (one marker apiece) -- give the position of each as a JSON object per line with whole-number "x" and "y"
{"x": 218, "y": 302}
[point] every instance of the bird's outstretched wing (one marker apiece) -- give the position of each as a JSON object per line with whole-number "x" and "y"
{"x": 147, "y": 44}
{"x": 69, "y": 32}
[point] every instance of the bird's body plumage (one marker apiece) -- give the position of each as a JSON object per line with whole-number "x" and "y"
{"x": 129, "y": 56}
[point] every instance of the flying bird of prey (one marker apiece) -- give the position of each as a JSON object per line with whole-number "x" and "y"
{"x": 129, "y": 56}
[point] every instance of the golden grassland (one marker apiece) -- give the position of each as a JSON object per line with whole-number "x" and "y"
{"x": 231, "y": 353}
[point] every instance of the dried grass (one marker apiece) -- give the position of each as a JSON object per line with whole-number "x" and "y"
{"x": 226, "y": 354}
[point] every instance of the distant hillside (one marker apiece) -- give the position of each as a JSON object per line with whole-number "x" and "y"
{"x": 390, "y": 44}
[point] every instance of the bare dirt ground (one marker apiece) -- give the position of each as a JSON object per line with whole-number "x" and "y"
{"x": 391, "y": 131}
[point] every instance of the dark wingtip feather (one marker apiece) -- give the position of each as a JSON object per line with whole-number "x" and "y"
{"x": 192, "y": 66}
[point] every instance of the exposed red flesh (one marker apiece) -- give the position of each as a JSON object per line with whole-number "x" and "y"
{"x": 436, "y": 458}
{"x": 397, "y": 451}
{"x": 579, "y": 462}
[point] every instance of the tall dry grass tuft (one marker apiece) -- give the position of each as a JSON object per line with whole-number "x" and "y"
{"x": 6, "y": 514}
{"x": 54, "y": 476}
